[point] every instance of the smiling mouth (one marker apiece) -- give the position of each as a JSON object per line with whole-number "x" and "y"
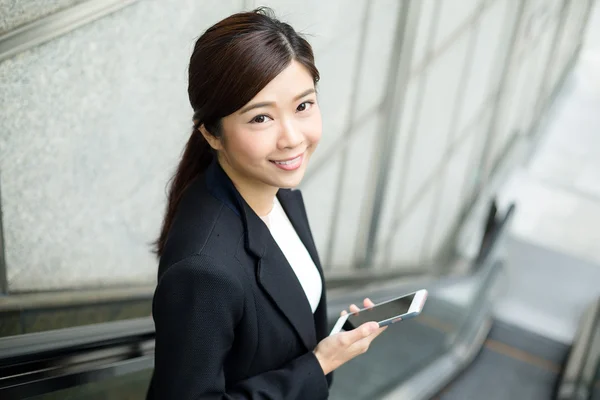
{"x": 289, "y": 164}
{"x": 288, "y": 161}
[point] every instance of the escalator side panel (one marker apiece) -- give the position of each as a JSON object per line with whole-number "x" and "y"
{"x": 513, "y": 364}
{"x": 395, "y": 355}
{"x": 388, "y": 361}
{"x": 494, "y": 376}
{"x": 536, "y": 345}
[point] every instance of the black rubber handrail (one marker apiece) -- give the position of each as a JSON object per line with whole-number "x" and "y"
{"x": 29, "y": 347}
{"x": 40, "y": 363}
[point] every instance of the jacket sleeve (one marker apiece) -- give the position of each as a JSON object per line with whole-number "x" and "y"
{"x": 196, "y": 308}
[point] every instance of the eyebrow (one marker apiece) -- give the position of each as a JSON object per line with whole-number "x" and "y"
{"x": 268, "y": 103}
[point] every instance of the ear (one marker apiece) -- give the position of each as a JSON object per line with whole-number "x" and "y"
{"x": 212, "y": 140}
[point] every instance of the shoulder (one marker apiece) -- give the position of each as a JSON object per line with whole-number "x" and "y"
{"x": 200, "y": 266}
{"x": 202, "y": 225}
{"x": 194, "y": 291}
{"x": 200, "y": 276}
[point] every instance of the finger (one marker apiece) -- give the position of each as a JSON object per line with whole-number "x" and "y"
{"x": 354, "y": 308}
{"x": 368, "y": 303}
{"x": 378, "y": 332}
{"x": 344, "y": 312}
{"x": 362, "y": 345}
{"x": 350, "y": 338}
{"x": 365, "y": 330}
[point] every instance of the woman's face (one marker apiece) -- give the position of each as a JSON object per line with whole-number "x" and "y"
{"x": 269, "y": 141}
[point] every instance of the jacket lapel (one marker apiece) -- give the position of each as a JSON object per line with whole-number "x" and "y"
{"x": 274, "y": 273}
{"x": 277, "y": 278}
{"x": 293, "y": 204}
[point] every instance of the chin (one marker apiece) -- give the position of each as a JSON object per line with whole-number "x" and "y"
{"x": 290, "y": 182}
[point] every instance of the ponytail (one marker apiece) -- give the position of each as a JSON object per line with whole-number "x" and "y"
{"x": 196, "y": 158}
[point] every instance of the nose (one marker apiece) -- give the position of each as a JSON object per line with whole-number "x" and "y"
{"x": 290, "y": 135}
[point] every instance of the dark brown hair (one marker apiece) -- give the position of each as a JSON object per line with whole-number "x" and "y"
{"x": 231, "y": 62}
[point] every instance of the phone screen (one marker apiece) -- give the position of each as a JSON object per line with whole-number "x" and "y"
{"x": 380, "y": 312}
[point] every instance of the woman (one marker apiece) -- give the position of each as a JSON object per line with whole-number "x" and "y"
{"x": 240, "y": 308}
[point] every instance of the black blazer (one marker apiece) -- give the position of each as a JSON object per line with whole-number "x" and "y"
{"x": 232, "y": 320}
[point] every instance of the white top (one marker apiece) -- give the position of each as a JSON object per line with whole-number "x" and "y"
{"x": 292, "y": 247}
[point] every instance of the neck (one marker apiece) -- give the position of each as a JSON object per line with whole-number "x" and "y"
{"x": 260, "y": 197}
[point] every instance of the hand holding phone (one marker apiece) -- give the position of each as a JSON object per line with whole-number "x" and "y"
{"x": 385, "y": 313}
{"x": 336, "y": 350}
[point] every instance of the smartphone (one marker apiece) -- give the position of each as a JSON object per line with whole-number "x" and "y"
{"x": 385, "y": 313}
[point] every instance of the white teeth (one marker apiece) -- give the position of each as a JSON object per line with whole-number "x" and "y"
{"x": 288, "y": 162}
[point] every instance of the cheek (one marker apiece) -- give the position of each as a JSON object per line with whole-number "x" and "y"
{"x": 313, "y": 129}
{"x": 251, "y": 147}
{"x": 315, "y": 137}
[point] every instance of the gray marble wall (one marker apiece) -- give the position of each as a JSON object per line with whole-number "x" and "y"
{"x": 14, "y": 13}
{"x": 92, "y": 125}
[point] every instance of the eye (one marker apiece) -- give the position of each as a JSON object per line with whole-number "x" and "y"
{"x": 260, "y": 119}
{"x": 304, "y": 106}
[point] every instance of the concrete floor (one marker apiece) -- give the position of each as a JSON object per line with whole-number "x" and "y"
{"x": 554, "y": 246}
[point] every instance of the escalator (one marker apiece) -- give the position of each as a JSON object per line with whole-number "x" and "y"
{"x": 512, "y": 364}
{"x": 395, "y": 355}
{"x": 469, "y": 354}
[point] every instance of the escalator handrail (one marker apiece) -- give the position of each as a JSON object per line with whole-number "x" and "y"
{"x": 28, "y": 347}
{"x": 39, "y": 363}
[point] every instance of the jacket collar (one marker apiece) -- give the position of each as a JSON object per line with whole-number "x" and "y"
{"x": 221, "y": 186}
{"x": 274, "y": 273}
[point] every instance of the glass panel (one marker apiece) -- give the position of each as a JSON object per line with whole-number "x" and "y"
{"x": 398, "y": 169}
{"x": 452, "y": 196}
{"x": 406, "y": 247}
{"x": 336, "y": 64}
{"x": 376, "y": 57}
{"x": 357, "y": 174}
{"x": 318, "y": 192}
{"x": 484, "y": 60}
{"x": 432, "y": 135}
{"x": 427, "y": 15}
{"x": 453, "y": 17}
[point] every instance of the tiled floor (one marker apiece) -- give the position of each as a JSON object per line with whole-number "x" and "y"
{"x": 554, "y": 251}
